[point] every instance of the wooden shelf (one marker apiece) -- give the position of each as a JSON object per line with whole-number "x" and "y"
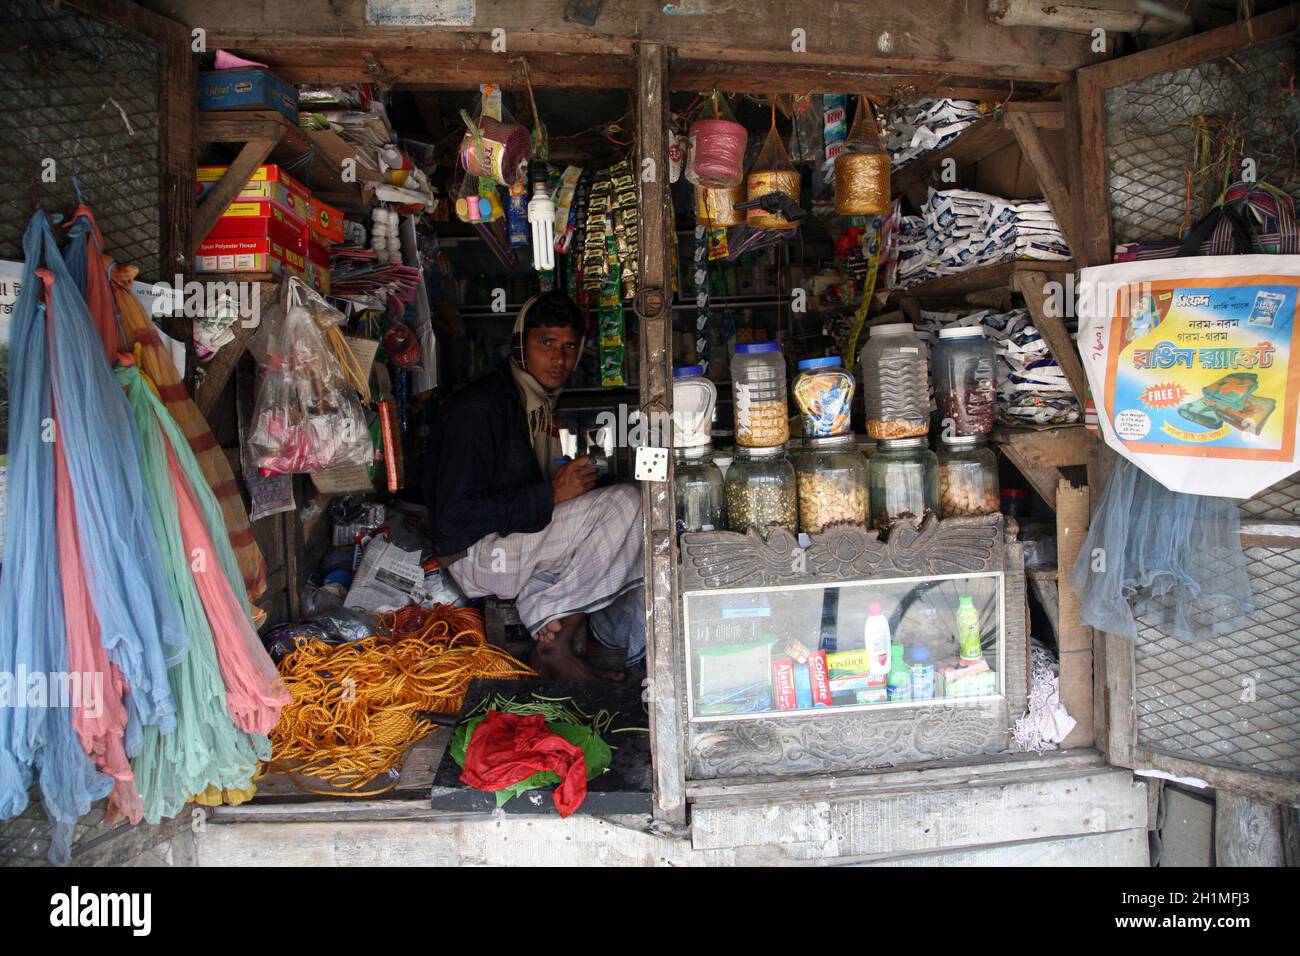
{"x": 1040, "y": 453}
{"x": 994, "y": 276}
{"x": 980, "y": 139}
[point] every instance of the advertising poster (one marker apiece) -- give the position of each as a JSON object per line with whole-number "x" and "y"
{"x": 1192, "y": 364}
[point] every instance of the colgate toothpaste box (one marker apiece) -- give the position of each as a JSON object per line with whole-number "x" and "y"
{"x": 821, "y": 684}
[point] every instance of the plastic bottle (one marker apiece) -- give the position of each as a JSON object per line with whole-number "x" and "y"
{"x": 968, "y": 630}
{"x": 922, "y": 674}
{"x": 898, "y": 685}
{"x": 876, "y": 639}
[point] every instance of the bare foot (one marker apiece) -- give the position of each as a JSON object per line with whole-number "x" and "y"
{"x": 555, "y": 660}
{"x": 548, "y": 631}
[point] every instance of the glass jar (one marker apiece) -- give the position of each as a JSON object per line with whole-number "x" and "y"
{"x": 759, "y": 490}
{"x": 896, "y": 382}
{"x": 823, "y": 390}
{"x": 697, "y": 486}
{"x": 968, "y": 477}
{"x": 966, "y": 380}
{"x": 904, "y": 481}
{"x": 833, "y": 479}
{"x": 694, "y": 398}
{"x": 758, "y": 385}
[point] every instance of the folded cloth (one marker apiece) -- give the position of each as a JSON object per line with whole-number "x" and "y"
{"x": 507, "y": 748}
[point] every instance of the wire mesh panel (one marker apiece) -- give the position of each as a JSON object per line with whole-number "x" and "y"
{"x": 85, "y": 95}
{"x": 1232, "y": 701}
{"x": 1173, "y": 137}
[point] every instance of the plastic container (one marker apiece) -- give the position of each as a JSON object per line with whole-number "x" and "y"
{"x": 697, "y": 486}
{"x": 758, "y": 386}
{"x": 759, "y": 491}
{"x": 968, "y": 477}
{"x": 694, "y": 398}
{"x": 898, "y": 682}
{"x": 968, "y": 630}
{"x": 823, "y": 391}
{"x": 896, "y": 382}
{"x": 966, "y": 380}
{"x": 877, "y": 641}
{"x": 904, "y": 482}
{"x": 923, "y": 674}
{"x": 833, "y": 482}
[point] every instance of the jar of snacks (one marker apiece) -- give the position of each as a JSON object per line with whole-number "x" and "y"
{"x": 966, "y": 380}
{"x": 833, "y": 479}
{"x": 758, "y": 386}
{"x": 697, "y": 486}
{"x": 904, "y": 481}
{"x": 896, "y": 382}
{"x": 759, "y": 491}
{"x": 968, "y": 477}
{"x": 823, "y": 390}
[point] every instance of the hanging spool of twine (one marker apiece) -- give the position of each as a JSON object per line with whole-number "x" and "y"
{"x": 499, "y": 154}
{"x": 862, "y": 183}
{"x": 716, "y": 153}
{"x": 717, "y": 207}
{"x": 772, "y": 181}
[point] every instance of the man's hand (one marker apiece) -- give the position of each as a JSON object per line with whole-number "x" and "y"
{"x": 574, "y": 479}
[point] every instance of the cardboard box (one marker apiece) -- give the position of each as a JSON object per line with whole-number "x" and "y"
{"x": 317, "y": 277}
{"x": 325, "y": 221}
{"x": 276, "y": 224}
{"x": 247, "y": 88}
{"x": 783, "y": 684}
{"x": 269, "y": 183}
{"x": 855, "y": 682}
{"x": 848, "y": 663}
{"x": 821, "y": 686}
{"x": 249, "y": 254}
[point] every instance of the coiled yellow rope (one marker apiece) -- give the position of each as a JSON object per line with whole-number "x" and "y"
{"x": 354, "y": 710}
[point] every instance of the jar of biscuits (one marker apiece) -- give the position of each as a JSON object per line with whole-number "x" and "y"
{"x": 833, "y": 482}
{"x": 968, "y": 477}
{"x": 758, "y": 385}
{"x": 896, "y": 382}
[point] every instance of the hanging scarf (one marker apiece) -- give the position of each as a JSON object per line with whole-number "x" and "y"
{"x": 538, "y": 400}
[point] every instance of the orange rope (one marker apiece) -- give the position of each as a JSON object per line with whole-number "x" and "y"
{"x": 354, "y": 707}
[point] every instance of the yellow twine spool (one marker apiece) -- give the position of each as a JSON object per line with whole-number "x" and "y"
{"x": 717, "y": 207}
{"x": 778, "y": 180}
{"x": 862, "y": 184}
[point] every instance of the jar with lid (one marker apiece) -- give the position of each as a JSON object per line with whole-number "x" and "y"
{"x": 896, "y": 382}
{"x": 968, "y": 477}
{"x": 965, "y": 379}
{"x": 694, "y": 398}
{"x": 833, "y": 480}
{"x": 758, "y": 384}
{"x": 823, "y": 390}
{"x": 904, "y": 481}
{"x": 697, "y": 486}
{"x": 759, "y": 491}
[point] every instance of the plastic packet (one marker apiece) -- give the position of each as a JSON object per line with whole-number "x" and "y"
{"x": 806, "y": 136}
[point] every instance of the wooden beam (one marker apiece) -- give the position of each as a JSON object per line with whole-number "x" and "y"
{"x": 1073, "y": 637}
{"x": 232, "y": 126}
{"x": 1268, "y": 788}
{"x": 1058, "y": 447}
{"x": 667, "y": 740}
{"x": 1049, "y": 176}
{"x": 1095, "y": 226}
{"x": 1270, "y": 534}
{"x": 1247, "y": 832}
{"x": 1052, "y": 328}
{"x": 223, "y": 194}
{"x": 1044, "y": 480}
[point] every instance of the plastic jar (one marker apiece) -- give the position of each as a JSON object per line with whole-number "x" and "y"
{"x": 966, "y": 380}
{"x": 823, "y": 390}
{"x": 968, "y": 477}
{"x": 833, "y": 480}
{"x": 758, "y": 386}
{"x": 697, "y": 486}
{"x": 904, "y": 481}
{"x": 694, "y": 398}
{"x": 759, "y": 491}
{"x": 895, "y": 382}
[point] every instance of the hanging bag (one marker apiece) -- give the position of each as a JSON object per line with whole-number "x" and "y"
{"x": 772, "y": 172}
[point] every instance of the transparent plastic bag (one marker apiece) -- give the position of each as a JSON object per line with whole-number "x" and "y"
{"x": 1172, "y": 559}
{"x": 305, "y": 418}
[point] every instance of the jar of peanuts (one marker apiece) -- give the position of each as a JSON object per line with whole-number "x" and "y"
{"x": 832, "y": 476}
{"x": 968, "y": 477}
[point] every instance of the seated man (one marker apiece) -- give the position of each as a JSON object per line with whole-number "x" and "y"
{"x": 509, "y": 520}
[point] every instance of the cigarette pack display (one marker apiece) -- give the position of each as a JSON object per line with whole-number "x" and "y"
{"x": 783, "y": 691}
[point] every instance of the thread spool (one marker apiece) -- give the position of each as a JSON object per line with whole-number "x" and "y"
{"x": 716, "y": 153}
{"x": 717, "y": 207}
{"x": 862, "y": 184}
{"x": 505, "y": 146}
{"x": 771, "y": 181}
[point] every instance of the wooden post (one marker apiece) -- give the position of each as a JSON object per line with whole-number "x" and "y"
{"x": 1247, "y": 832}
{"x": 653, "y": 308}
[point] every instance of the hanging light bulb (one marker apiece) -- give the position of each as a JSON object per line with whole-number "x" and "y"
{"x": 541, "y": 219}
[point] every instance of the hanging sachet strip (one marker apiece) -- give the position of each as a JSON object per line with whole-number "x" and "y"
{"x": 32, "y": 643}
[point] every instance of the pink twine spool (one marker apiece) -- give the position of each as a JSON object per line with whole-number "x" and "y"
{"x": 717, "y": 153}
{"x": 505, "y": 146}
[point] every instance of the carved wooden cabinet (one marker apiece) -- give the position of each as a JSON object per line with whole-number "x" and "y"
{"x": 750, "y": 609}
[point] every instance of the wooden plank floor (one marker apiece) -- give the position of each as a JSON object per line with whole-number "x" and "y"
{"x": 415, "y": 781}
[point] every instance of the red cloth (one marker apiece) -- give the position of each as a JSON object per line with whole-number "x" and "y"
{"x": 507, "y": 748}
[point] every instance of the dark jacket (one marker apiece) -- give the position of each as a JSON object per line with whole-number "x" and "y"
{"x": 481, "y": 475}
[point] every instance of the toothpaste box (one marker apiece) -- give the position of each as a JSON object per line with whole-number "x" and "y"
{"x": 783, "y": 684}
{"x": 821, "y": 685}
{"x": 845, "y": 685}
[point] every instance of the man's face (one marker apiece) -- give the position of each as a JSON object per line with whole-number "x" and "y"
{"x": 550, "y": 354}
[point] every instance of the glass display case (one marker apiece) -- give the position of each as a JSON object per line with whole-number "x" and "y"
{"x": 858, "y": 650}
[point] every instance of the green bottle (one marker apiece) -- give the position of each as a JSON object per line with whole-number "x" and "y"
{"x": 898, "y": 682}
{"x": 968, "y": 630}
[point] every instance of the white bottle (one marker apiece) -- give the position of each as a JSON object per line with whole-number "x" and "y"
{"x": 877, "y": 639}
